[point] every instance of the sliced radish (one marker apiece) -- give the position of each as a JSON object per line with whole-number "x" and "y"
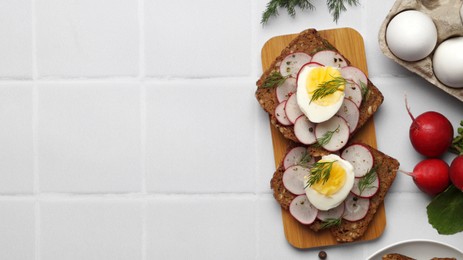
{"x": 356, "y": 208}
{"x": 291, "y": 64}
{"x": 350, "y": 112}
{"x": 329, "y": 58}
{"x": 357, "y": 79}
{"x": 360, "y": 157}
{"x": 332, "y": 134}
{"x": 280, "y": 114}
{"x": 292, "y": 109}
{"x": 304, "y": 130}
{"x": 369, "y": 187}
{"x": 286, "y": 89}
{"x": 294, "y": 179}
{"x": 302, "y": 210}
{"x": 333, "y": 213}
{"x": 297, "y": 156}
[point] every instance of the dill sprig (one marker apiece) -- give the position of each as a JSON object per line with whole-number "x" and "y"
{"x": 325, "y": 139}
{"x": 330, "y": 222}
{"x": 366, "y": 181}
{"x": 320, "y": 171}
{"x": 274, "y": 79}
{"x": 335, "y": 7}
{"x": 305, "y": 160}
{"x": 328, "y": 87}
{"x": 364, "y": 89}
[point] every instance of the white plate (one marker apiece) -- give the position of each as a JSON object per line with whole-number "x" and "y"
{"x": 420, "y": 250}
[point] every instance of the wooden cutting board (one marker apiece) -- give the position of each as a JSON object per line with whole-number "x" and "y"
{"x": 350, "y": 43}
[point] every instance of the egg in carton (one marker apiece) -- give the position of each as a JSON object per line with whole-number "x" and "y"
{"x": 426, "y": 37}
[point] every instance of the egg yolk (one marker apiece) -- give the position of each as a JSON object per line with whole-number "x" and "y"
{"x": 320, "y": 75}
{"x": 334, "y": 183}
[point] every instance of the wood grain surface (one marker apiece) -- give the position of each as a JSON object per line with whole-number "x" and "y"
{"x": 350, "y": 44}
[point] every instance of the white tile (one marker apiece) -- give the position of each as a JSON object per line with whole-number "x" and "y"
{"x": 200, "y": 148}
{"x": 198, "y": 38}
{"x": 201, "y": 228}
{"x": 17, "y": 229}
{"x": 87, "y": 38}
{"x": 16, "y": 39}
{"x": 90, "y": 229}
{"x": 89, "y": 137}
{"x": 265, "y": 162}
{"x": 16, "y": 149}
{"x": 395, "y": 140}
{"x": 272, "y": 243}
{"x": 406, "y": 212}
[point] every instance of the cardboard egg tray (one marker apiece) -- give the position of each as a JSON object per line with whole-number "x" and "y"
{"x": 446, "y": 16}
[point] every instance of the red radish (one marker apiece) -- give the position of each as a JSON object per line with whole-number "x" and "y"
{"x": 360, "y": 157}
{"x": 292, "y": 109}
{"x": 431, "y": 176}
{"x": 354, "y": 93}
{"x": 280, "y": 114}
{"x": 286, "y": 89}
{"x": 329, "y": 58}
{"x": 350, "y": 112}
{"x": 332, "y": 134}
{"x": 302, "y": 210}
{"x": 356, "y": 207}
{"x": 294, "y": 156}
{"x": 293, "y": 179}
{"x": 304, "y": 130}
{"x": 431, "y": 133}
{"x": 333, "y": 213}
{"x": 456, "y": 172}
{"x": 291, "y": 64}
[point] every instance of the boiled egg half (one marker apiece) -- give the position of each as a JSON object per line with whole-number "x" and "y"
{"x": 312, "y": 79}
{"x": 331, "y": 192}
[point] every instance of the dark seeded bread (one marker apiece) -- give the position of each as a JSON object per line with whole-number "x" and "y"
{"x": 310, "y": 42}
{"x": 348, "y": 231}
{"x": 396, "y": 256}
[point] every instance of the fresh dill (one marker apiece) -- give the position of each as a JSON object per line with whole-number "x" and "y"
{"x": 364, "y": 89}
{"x": 335, "y": 7}
{"x": 274, "y": 79}
{"x": 330, "y": 222}
{"x": 328, "y": 87}
{"x": 325, "y": 139}
{"x": 320, "y": 171}
{"x": 305, "y": 160}
{"x": 366, "y": 181}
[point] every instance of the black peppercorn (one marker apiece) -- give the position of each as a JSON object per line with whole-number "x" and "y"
{"x": 322, "y": 255}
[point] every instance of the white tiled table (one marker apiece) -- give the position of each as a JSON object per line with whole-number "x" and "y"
{"x": 129, "y": 130}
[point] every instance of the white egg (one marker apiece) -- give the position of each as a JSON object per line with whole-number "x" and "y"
{"x": 326, "y": 202}
{"x": 315, "y": 112}
{"x": 411, "y": 35}
{"x": 448, "y": 62}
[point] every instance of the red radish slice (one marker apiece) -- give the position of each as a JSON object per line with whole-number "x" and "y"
{"x": 280, "y": 114}
{"x": 332, "y": 134}
{"x": 304, "y": 130}
{"x": 297, "y": 156}
{"x": 292, "y": 63}
{"x": 356, "y": 207}
{"x": 369, "y": 190}
{"x": 302, "y": 210}
{"x": 333, "y": 213}
{"x": 292, "y": 109}
{"x": 350, "y": 112}
{"x": 329, "y": 58}
{"x": 293, "y": 179}
{"x": 360, "y": 157}
{"x": 358, "y": 80}
{"x": 286, "y": 89}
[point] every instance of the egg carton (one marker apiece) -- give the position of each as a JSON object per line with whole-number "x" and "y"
{"x": 447, "y": 18}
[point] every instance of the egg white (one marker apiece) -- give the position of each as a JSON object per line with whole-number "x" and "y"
{"x": 314, "y": 112}
{"x": 323, "y": 202}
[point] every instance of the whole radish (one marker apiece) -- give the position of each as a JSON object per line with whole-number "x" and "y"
{"x": 431, "y": 176}
{"x": 456, "y": 172}
{"x": 431, "y": 133}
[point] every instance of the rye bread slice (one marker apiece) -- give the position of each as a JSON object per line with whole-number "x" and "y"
{"x": 310, "y": 42}
{"x": 348, "y": 231}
